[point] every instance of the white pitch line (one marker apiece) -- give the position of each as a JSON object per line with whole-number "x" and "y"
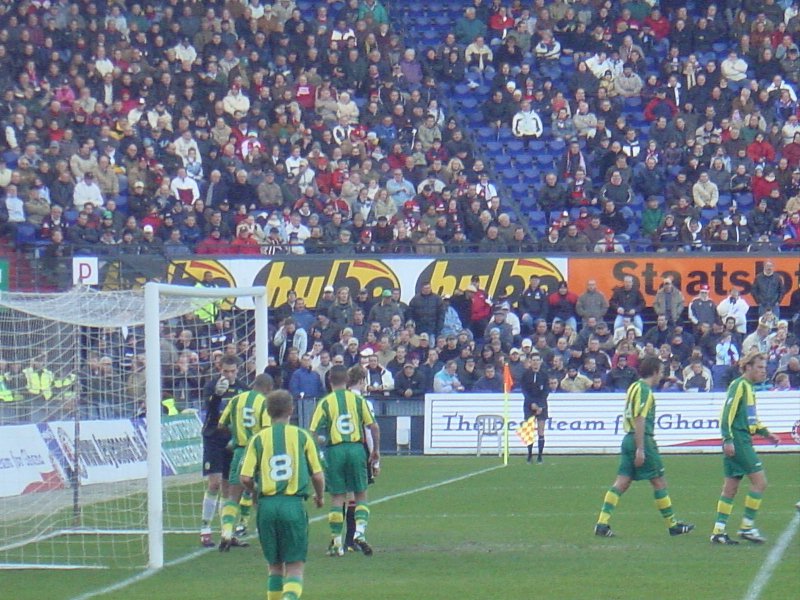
{"x": 147, "y": 574}
{"x": 773, "y": 559}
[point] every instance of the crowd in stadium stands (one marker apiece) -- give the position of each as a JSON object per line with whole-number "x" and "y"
{"x": 246, "y": 128}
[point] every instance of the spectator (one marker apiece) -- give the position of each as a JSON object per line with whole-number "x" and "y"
{"x": 768, "y": 290}
{"x": 426, "y": 309}
{"x": 561, "y": 305}
{"x": 490, "y": 382}
{"x": 526, "y": 124}
{"x": 408, "y": 384}
{"x": 87, "y": 191}
{"x": 305, "y": 382}
{"x": 446, "y": 381}
{"x": 627, "y": 301}
{"x": 574, "y": 381}
{"x": 702, "y": 309}
{"x": 669, "y": 302}
{"x": 591, "y": 303}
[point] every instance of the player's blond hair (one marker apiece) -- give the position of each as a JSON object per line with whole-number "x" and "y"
{"x": 749, "y": 358}
{"x": 355, "y": 375}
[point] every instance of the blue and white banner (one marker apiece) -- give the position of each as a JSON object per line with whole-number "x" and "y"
{"x": 592, "y": 423}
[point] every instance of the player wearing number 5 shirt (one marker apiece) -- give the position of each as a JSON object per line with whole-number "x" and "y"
{"x": 342, "y": 416}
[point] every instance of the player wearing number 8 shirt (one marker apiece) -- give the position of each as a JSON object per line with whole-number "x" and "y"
{"x": 344, "y": 415}
{"x": 244, "y": 416}
{"x": 280, "y": 465}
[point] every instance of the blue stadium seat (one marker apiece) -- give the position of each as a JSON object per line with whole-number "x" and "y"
{"x": 523, "y": 160}
{"x": 27, "y": 239}
{"x": 505, "y": 135}
{"x": 486, "y": 134}
{"x": 724, "y": 201}
{"x": 502, "y": 161}
{"x": 514, "y": 147}
{"x": 745, "y": 201}
{"x": 510, "y": 175}
{"x": 469, "y": 103}
{"x": 707, "y": 214}
{"x": 536, "y": 146}
{"x": 537, "y": 218}
{"x": 532, "y": 174}
{"x": 556, "y": 146}
{"x": 545, "y": 160}
{"x": 633, "y": 103}
{"x": 493, "y": 148}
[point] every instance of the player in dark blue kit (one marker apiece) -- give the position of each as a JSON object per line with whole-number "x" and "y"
{"x": 217, "y": 455}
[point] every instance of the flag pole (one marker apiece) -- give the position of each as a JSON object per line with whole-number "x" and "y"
{"x": 507, "y": 383}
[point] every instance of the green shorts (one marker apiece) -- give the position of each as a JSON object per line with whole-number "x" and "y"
{"x": 236, "y": 465}
{"x": 745, "y": 461}
{"x": 652, "y": 467}
{"x": 283, "y": 528}
{"x": 346, "y": 469}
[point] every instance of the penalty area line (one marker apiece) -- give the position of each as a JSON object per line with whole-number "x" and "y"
{"x": 773, "y": 560}
{"x": 148, "y": 573}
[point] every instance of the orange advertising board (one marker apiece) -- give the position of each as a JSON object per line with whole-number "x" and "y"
{"x": 688, "y": 271}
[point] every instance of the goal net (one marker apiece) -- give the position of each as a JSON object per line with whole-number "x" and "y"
{"x": 90, "y": 382}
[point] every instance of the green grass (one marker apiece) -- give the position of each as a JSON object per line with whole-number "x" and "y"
{"x": 503, "y": 533}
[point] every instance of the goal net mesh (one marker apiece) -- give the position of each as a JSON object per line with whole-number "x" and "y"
{"x": 73, "y": 441}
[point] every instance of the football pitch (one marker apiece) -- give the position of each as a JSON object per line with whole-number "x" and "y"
{"x": 469, "y": 528}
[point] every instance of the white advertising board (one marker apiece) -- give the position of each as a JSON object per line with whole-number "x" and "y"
{"x": 592, "y": 423}
{"x": 108, "y": 451}
{"x": 25, "y": 463}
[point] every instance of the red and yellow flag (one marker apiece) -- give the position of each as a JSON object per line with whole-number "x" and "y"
{"x": 527, "y": 431}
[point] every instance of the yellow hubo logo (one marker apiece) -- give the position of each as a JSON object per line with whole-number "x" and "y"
{"x": 308, "y": 277}
{"x": 500, "y": 277}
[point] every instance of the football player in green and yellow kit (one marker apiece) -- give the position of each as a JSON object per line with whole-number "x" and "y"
{"x": 281, "y": 464}
{"x": 639, "y": 457}
{"x": 344, "y": 415}
{"x": 738, "y": 424}
{"x": 244, "y": 416}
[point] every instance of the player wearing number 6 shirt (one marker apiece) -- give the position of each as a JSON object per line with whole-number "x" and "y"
{"x": 344, "y": 415}
{"x": 244, "y": 416}
{"x": 280, "y": 465}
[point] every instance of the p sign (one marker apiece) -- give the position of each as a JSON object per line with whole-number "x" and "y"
{"x": 85, "y": 271}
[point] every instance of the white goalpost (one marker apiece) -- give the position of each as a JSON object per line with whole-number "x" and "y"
{"x": 91, "y": 474}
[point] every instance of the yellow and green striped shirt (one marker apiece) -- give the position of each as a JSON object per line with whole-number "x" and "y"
{"x": 282, "y": 458}
{"x": 344, "y": 414}
{"x": 739, "y": 411}
{"x": 245, "y": 415}
{"x": 640, "y": 402}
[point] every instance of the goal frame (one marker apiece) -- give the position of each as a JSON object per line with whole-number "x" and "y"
{"x": 152, "y": 298}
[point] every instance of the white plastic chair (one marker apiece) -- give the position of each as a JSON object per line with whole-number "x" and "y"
{"x": 487, "y": 426}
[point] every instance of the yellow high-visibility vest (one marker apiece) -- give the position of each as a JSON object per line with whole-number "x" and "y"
{"x": 6, "y": 394}
{"x": 39, "y": 382}
{"x": 169, "y": 406}
{"x": 208, "y": 312}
